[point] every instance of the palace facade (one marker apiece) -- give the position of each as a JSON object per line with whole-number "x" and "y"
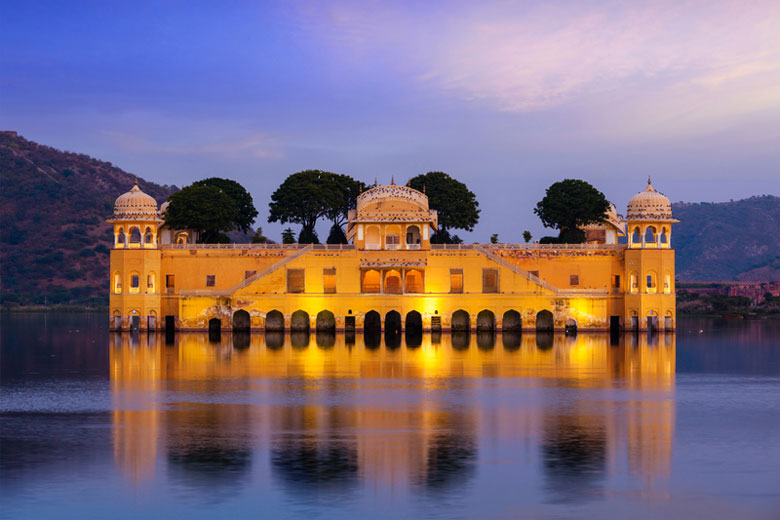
{"x": 390, "y": 276}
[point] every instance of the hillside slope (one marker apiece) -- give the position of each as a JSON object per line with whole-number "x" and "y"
{"x": 737, "y": 240}
{"x": 54, "y": 239}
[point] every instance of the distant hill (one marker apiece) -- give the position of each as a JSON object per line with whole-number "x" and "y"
{"x": 54, "y": 239}
{"x": 738, "y": 240}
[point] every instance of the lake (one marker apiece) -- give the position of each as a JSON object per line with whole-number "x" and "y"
{"x": 105, "y": 425}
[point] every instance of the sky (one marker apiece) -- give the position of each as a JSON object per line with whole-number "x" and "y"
{"x": 507, "y": 97}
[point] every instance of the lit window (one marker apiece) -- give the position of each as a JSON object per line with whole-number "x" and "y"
{"x": 616, "y": 281}
{"x": 329, "y": 280}
{"x": 456, "y": 281}
{"x": 135, "y": 281}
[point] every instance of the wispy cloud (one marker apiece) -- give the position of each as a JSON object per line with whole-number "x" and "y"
{"x": 521, "y": 57}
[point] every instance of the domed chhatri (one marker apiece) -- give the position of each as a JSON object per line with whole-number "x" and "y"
{"x": 135, "y": 204}
{"x": 649, "y": 205}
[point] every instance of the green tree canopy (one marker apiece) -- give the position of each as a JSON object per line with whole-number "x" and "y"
{"x": 306, "y": 196}
{"x": 456, "y": 205}
{"x": 206, "y": 209}
{"x": 570, "y": 204}
{"x": 302, "y": 199}
{"x": 242, "y": 199}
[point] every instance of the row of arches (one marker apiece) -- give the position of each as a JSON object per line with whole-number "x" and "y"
{"x": 649, "y": 236}
{"x": 134, "y": 236}
{"x": 650, "y": 283}
{"x": 326, "y": 321}
{"x": 136, "y": 282}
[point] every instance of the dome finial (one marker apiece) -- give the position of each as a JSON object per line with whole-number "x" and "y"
{"x": 136, "y": 181}
{"x": 376, "y": 182}
{"x": 392, "y": 180}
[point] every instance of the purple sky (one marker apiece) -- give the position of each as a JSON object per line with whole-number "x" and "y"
{"x": 506, "y": 96}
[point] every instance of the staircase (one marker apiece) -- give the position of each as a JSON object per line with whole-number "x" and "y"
{"x": 268, "y": 270}
{"x": 513, "y": 267}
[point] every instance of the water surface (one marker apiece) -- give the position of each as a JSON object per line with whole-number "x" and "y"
{"x": 96, "y": 425}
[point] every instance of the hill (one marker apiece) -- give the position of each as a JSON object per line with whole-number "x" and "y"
{"x": 54, "y": 239}
{"x": 738, "y": 240}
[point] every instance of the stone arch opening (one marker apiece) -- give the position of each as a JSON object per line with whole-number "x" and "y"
{"x": 326, "y": 321}
{"x": 651, "y": 282}
{"x": 633, "y": 282}
{"x": 117, "y": 283}
{"x": 668, "y": 321}
{"x": 571, "y": 326}
{"x": 511, "y": 321}
{"x": 148, "y": 236}
{"x": 372, "y": 281}
{"x": 461, "y": 321}
{"x": 372, "y": 322}
{"x": 151, "y": 320}
{"x": 412, "y": 237}
{"x": 636, "y": 237}
{"x": 667, "y": 282}
{"x": 241, "y": 321}
{"x": 117, "y": 319}
{"x": 663, "y": 238}
{"x": 215, "y": 329}
{"x": 135, "y": 235}
{"x": 372, "y": 237}
{"x": 414, "y": 282}
{"x": 274, "y": 321}
{"x": 414, "y": 322}
{"x": 650, "y": 235}
{"x": 121, "y": 239}
{"x": 486, "y": 321}
{"x": 545, "y": 321}
{"x": 393, "y": 322}
{"x": 299, "y": 321}
{"x": 393, "y": 282}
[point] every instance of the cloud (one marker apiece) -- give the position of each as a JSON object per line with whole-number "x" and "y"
{"x": 526, "y": 57}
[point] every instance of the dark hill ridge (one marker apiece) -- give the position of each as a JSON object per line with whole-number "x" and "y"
{"x": 738, "y": 240}
{"x": 54, "y": 239}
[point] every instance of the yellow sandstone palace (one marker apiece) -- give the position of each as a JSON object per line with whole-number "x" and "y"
{"x": 390, "y": 277}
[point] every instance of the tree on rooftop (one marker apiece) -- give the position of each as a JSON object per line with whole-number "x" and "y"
{"x": 302, "y": 199}
{"x": 456, "y": 205}
{"x": 242, "y": 199}
{"x": 568, "y": 205}
{"x": 205, "y": 209}
{"x": 342, "y": 195}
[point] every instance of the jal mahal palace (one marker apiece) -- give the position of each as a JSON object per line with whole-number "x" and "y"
{"x": 389, "y": 277}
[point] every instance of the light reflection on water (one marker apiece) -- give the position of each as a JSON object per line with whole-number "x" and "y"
{"x": 333, "y": 425}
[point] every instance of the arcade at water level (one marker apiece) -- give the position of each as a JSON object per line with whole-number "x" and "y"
{"x": 391, "y": 277}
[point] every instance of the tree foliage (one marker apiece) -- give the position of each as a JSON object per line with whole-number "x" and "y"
{"x": 288, "y": 237}
{"x": 206, "y": 209}
{"x": 304, "y": 197}
{"x": 527, "y": 236}
{"x": 242, "y": 199}
{"x": 570, "y": 204}
{"x": 456, "y": 205}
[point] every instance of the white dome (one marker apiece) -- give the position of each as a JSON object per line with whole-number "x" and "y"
{"x": 135, "y": 204}
{"x": 649, "y": 205}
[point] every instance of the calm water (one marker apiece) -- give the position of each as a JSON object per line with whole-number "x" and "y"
{"x": 99, "y": 425}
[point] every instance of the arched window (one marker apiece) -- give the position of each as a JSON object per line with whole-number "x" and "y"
{"x": 148, "y": 237}
{"x": 412, "y": 237}
{"x": 150, "y": 282}
{"x": 135, "y": 235}
{"x": 135, "y": 282}
{"x": 392, "y": 282}
{"x": 117, "y": 283}
{"x": 664, "y": 238}
{"x": 651, "y": 282}
{"x": 636, "y": 237}
{"x": 634, "y": 283}
{"x": 182, "y": 238}
{"x": 667, "y": 283}
{"x": 372, "y": 237}
{"x": 650, "y": 235}
{"x": 371, "y": 281}
{"x": 121, "y": 239}
{"x": 414, "y": 281}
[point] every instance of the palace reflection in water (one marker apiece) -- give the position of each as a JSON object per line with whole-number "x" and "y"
{"x": 336, "y": 411}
